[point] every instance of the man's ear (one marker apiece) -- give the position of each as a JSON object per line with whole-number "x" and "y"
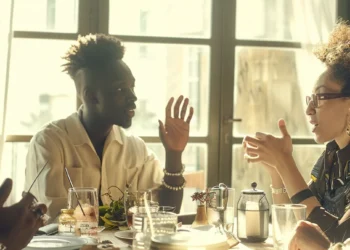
{"x": 90, "y": 95}
{"x": 84, "y": 86}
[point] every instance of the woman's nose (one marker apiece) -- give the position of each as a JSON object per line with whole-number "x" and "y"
{"x": 310, "y": 108}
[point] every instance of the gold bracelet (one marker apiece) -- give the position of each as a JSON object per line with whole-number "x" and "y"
{"x": 281, "y": 190}
{"x": 174, "y": 174}
{"x": 174, "y": 188}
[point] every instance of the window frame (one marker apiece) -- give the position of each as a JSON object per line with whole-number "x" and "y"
{"x": 93, "y": 17}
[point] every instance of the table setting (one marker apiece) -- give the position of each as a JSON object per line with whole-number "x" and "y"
{"x": 137, "y": 221}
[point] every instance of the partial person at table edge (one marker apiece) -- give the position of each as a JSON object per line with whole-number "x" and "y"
{"x": 92, "y": 142}
{"x": 20, "y": 221}
{"x": 309, "y": 236}
{"x": 327, "y": 195}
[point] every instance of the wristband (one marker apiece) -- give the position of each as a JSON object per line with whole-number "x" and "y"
{"x": 301, "y": 196}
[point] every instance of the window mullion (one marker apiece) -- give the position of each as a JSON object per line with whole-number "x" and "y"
{"x": 343, "y": 9}
{"x": 214, "y": 107}
{"x": 227, "y": 88}
{"x": 103, "y": 17}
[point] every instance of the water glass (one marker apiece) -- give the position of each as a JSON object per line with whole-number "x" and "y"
{"x": 140, "y": 216}
{"x": 135, "y": 199}
{"x": 161, "y": 222}
{"x": 284, "y": 220}
{"x": 87, "y": 224}
{"x": 229, "y": 214}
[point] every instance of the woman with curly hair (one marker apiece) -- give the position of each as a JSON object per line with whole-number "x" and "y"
{"x": 327, "y": 195}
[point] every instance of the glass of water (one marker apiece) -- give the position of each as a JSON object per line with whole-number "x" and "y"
{"x": 159, "y": 223}
{"x": 134, "y": 200}
{"x": 163, "y": 223}
{"x": 139, "y": 217}
{"x": 284, "y": 220}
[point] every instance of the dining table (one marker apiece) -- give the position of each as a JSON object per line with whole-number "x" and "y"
{"x": 120, "y": 244}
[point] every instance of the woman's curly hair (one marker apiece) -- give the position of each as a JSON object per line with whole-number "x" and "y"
{"x": 336, "y": 54}
{"x": 94, "y": 52}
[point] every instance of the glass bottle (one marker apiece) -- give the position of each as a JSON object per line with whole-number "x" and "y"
{"x": 66, "y": 222}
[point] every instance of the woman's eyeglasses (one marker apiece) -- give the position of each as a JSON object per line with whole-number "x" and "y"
{"x": 315, "y": 98}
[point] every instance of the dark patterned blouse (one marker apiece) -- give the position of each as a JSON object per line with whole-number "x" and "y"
{"x": 331, "y": 185}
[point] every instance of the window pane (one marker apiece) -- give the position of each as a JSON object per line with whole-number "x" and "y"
{"x": 271, "y": 84}
{"x": 243, "y": 174}
{"x": 46, "y": 15}
{"x": 38, "y": 91}
{"x": 13, "y": 166}
{"x": 163, "y": 71}
{"x": 283, "y": 20}
{"x": 160, "y": 18}
{"x": 195, "y": 160}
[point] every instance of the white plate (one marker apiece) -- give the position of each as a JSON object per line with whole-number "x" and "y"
{"x": 55, "y": 243}
{"x": 126, "y": 235}
{"x": 192, "y": 240}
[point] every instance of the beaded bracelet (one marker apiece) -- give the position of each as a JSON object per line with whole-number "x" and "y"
{"x": 174, "y": 174}
{"x": 174, "y": 188}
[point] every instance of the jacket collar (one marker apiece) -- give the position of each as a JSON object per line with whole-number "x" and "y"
{"x": 79, "y": 136}
{"x": 342, "y": 154}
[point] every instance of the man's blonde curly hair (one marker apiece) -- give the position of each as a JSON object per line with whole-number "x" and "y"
{"x": 93, "y": 52}
{"x": 336, "y": 54}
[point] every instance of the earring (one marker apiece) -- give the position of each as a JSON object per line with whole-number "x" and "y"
{"x": 348, "y": 131}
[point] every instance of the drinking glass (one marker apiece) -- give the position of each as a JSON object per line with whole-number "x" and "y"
{"x": 88, "y": 223}
{"x": 135, "y": 199}
{"x": 162, "y": 222}
{"x": 158, "y": 223}
{"x": 284, "y": 219}
{"x": 140, "y": 214}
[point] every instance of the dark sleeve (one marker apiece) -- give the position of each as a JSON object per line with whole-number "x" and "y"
{"x": 330, "y": 225}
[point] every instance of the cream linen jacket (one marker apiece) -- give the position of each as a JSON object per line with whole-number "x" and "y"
{"x": 65, "y": 143}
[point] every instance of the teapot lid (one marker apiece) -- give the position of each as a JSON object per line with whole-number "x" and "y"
{"x": 254, "y": 190}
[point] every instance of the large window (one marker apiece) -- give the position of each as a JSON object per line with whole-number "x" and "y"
{"x": 239, "y": 61}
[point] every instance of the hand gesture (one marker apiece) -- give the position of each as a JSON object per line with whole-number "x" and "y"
{"x": 308, "y": 236}
{"x": 175, "y": 132}
{"x": 19, "y": 222}
{"x": 267, "y": 148}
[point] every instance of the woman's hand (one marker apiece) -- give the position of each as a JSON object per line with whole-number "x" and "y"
{"x": 308, "y": 236}
{"x": 267, "y": 148}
